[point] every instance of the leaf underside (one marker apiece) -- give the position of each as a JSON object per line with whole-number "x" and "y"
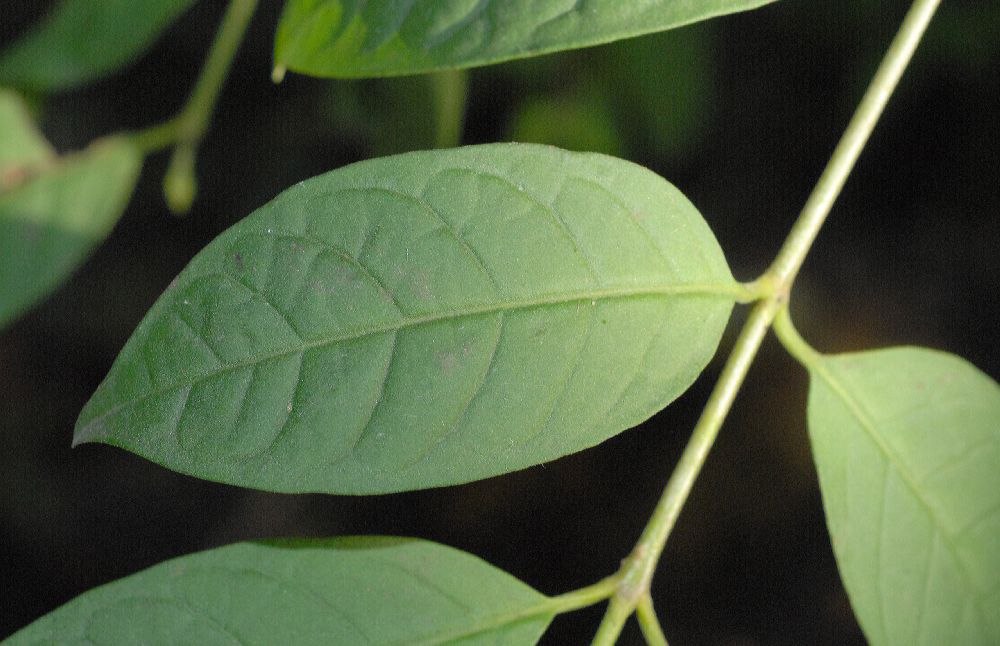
{"x": 53, "y": 210}
{"x": 82, "y": 40}
{"x": 907, "y": 445}
{"x": 355, "y": 590}
{"x": 359, "y": 38}
{"x": 422, "y": 320}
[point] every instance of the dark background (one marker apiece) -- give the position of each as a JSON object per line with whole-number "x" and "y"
{"x": 741, "y": 113}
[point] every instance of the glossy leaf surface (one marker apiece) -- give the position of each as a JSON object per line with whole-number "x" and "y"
{"x": 907, "y": 444}
{"x": 423, "y": 320}
{"x": 357, "y": 38}
{"x": 358, "y": 590}
{"x": 53, "y": 210}
{"x": 82, "y": 40}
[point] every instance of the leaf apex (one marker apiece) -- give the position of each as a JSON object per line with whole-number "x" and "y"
{"x": 85, "y": 433}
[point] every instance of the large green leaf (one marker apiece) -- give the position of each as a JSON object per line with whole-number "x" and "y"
{"x": 907, "y": 443}
{"x": 358, "y": 590}
{"x": 355, "y": 38}
{"x": 82, "y": 40}
{"x": 53, "y": 210}
{"x": 422, "y": 320}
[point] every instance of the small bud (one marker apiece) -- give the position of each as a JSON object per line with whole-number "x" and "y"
{"x": 179, "y": 184}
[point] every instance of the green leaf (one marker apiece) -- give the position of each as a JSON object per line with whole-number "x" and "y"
{"x": 357, "y": 38}
{"x": 53, "y": 210}
{"x": 907, "y": 444}
{"x": 356, "y": 590}
{"x": 82, "y": 40}
{"x": 22, "y": 146}
{"x": 422, "y": 320}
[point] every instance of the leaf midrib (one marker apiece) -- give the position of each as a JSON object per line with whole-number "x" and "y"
{"x": 731, "y": 291}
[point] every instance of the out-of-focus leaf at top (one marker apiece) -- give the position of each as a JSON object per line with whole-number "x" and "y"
{"x": 358, "y": 38}
{"x": 82, "y": 40}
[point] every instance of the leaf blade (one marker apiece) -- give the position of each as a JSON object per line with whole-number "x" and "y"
{"x": 81, "y": 41}
{"x": 423, "y": 320}
{"x": 914, "y": 534}
{"x": 352, "y": 590}
{"x": 350, "y": 39}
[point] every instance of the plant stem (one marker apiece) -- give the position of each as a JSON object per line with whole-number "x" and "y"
{"x": 450, "y": 88}
{"x": 786, "y": 265}
{"x": 775, "y": 286}
{"x": 641, "y": 564}
{"x": 156, "y": 138}
{"x": 192, "y": 121}
{"x": 186, "y": 130}
{"x": 793, "y": 341}
{"x": 180, "y": 182}
{"x": 588, "y": 596}
{"x": 618, "y": 612}
{"x": 648, "y": 622}
{"x": 194, "y": 118}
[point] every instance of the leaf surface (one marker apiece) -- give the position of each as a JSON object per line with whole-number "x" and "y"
{"x": 422, "y": 320}
{"x": 53, "y": 210}
{"x": 357, "y": 38}
{"x": 82, "y": 40}
{"x": 355, "y": 590}
{"x": 907, "y": 445}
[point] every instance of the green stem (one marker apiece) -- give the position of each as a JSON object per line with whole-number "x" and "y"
{"x": 618, "y": 612}
{"x": 195, "y": 116}
{"x": 192, "y": 121}
{"x": 897, "y": 57}
{"x": 774, "y": 287}
{"x": 648, "y": 622}
{"x": 186, "y": 130}
{"x": 156, "y": 138}
{"x": 450, "y": 88}
{"x": 588, "y": 596}
{"x": 793, "y": 341}
{"x": 180, "y": 182}
{"x": 642, "y": 563}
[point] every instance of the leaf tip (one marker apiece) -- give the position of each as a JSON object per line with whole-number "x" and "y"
{"x": 85, "y": 433}
{"x": 278, "y": 73}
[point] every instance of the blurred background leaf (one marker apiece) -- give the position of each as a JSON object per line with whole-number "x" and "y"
{"x": 81, "y": 40}
{"x": 53, "y": 210}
